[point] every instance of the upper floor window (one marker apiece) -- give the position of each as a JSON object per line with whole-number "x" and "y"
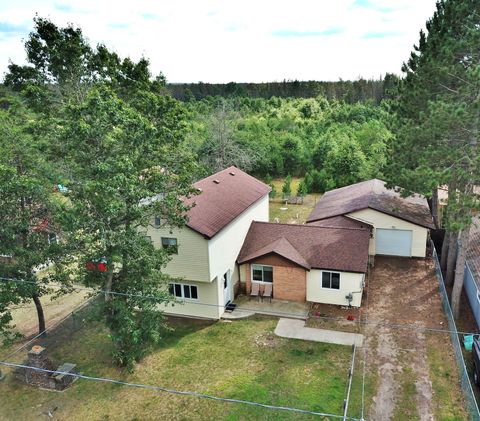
{"x": 330, "y": 280}
{"x": 158, "y": 221}
{"x": 170, "y": 244}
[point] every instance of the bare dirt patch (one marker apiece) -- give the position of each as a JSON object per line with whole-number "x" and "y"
{"x": 402, "y": 298}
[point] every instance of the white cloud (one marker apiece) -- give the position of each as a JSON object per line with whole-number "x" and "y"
{"x": 221, "y": 41}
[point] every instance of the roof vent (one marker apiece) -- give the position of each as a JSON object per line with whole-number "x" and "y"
{"x": 216, "y": 181}
{"x": 232, "y": 173}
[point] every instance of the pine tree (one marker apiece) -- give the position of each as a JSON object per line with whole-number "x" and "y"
{"x": 437, "y": 123}
{"x": 286, "y": 188}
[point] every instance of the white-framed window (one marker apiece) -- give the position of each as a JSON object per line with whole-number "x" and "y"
{"x": 330, "y": 280}
{"x": 52, "y": 238}
{"x": 170, "y": 244}
{"x": 478, "y": 296}
{"x": 185, "y": 291}
{"x": 262, "y": 273}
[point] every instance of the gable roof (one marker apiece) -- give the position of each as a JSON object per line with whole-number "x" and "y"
{"x": 473, "y": 252}
{"x": 309, "y": 246}
{"x": 222, "y": 198}
{"x": 340, "y": 222}
{"x": 374, "y": 195}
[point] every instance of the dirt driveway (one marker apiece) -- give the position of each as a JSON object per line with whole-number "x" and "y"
{"x": 405, "y": 291}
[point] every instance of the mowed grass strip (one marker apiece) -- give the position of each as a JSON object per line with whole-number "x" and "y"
{"x": 241, "y": 360}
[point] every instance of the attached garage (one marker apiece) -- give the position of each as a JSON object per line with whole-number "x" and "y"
{"x": 392, "y": 242}
{"x": 399, "y": 224}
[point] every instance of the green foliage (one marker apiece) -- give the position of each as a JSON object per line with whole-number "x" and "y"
{"x": 29, "y": 211}
{"x": 286, "y": 188}
{"x": 120, "y": 156}
{"x": 302, "y": 189}
{"x": 279, "y": 136}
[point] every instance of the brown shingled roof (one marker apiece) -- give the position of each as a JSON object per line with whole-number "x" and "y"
{"x": 335, "y": 248}
{"x": 374, "y": 195}
{"x": 223, "y": 197}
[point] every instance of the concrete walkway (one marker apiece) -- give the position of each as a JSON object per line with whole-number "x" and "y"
{"x": 295, "y": 329}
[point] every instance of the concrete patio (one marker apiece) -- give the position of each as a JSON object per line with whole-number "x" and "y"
{"x": 247, "y": 307}
{"x": 295, "y": 329}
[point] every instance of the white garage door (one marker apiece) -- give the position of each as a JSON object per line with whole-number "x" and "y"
{"x": 394, "y": 242}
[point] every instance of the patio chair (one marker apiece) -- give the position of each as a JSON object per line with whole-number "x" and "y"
{"x": 255, "y": 290}
{"x": 267, "y": 292}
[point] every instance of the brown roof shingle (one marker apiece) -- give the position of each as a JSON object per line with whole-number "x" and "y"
{"x": 222, "y": 198}
{"x": 310, "y": 246}
{"x": 374, "y": 195}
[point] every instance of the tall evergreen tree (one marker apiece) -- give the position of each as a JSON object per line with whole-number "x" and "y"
{"x": 437, "y": 132}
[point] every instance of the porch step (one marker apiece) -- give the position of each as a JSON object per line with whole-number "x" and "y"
{"x": 230, "y": 307}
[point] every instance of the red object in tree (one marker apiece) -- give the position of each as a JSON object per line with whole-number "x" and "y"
{"x": 102, "y": 267}
{"x": 90, "y": 265}
{"x": 351, "y": 317}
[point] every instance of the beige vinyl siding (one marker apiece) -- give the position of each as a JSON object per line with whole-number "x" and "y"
{"x": 207, "y": 294}
{"x": 191, "y": 262}
{"x": 349, "y": 283}
{"x": 382, "y": 220}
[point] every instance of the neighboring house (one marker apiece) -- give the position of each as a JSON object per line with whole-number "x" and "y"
{"x": 400, "y": 225}
{"x": 325, "y": 264}
{"x": 472, "y": 270}
{"x": 206, "y": 249}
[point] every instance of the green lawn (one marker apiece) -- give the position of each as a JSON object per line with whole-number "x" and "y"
{"x": 223, "y": 359}
{"x": 289, "y": 213}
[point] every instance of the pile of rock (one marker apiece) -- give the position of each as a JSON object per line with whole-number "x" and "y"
{"x": 43, "y": 374}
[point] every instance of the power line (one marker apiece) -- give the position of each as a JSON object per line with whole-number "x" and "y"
{"x": 58, "y": 322}
{"x": 255, "y": 310}
{"x": 177, "y": 392}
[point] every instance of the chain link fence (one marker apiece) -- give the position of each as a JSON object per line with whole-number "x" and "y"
{"x": 466, "y": 385}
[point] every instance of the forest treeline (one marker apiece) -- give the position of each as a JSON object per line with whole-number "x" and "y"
{"x": 330, "y": 143}
{"x": 343, "y": 90}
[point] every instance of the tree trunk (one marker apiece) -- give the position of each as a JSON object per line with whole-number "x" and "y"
{"x": 41, "y": 316}
{"x": 435, "y": 208}
{"x": 444, "y": 253}
{"x": 451, "y": 258}
{"x": 459, "y": 271}
{"x": 109, "y": 283}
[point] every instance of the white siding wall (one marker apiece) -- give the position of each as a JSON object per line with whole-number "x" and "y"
{"x": 207, "y": 294}
{"x": 191, "y": 262}
{"x": 382, "y": 220}
{"x": 223, "y": 249}
{"x": 349, "y": 282}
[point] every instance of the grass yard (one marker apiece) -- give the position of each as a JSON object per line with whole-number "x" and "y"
{"x": 293, "y": 214}
{"x": 241, "y": 360}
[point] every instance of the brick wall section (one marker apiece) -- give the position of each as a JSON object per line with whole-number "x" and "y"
{"x": 289, "y": 280}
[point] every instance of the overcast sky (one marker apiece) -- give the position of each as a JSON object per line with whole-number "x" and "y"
{"x": 236, "y": 40}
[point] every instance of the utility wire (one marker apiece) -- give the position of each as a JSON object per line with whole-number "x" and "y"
{"x": 57, "y": 323}
{"x": 255, "y": 310}
{"x": 176, "y": 392}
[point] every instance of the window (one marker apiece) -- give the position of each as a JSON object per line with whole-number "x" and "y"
{"x": 52, "y": 238}
{"x": 170, "y": 244}
{"x": 331, "y": 280}
{"x": 262, "y": 273}
{"x": 184, "y": 291}
{"x": 158, "y": 221}
{"x": 148, "y": 238}
{"x": 478, "y": 296}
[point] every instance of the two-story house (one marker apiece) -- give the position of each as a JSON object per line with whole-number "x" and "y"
{"x": 206, "y": 249}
